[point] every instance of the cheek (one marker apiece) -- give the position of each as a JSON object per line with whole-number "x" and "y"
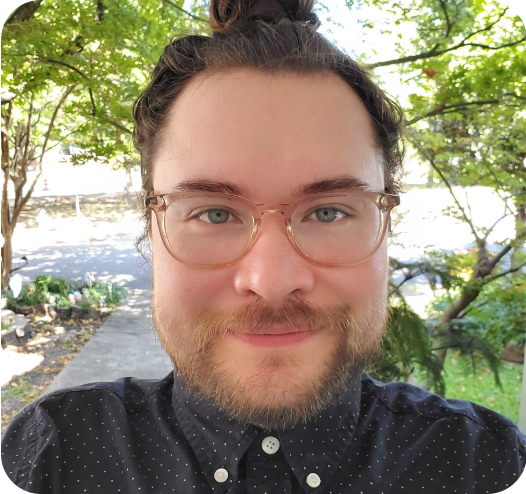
{"x": 364, "y": 286}
{"x": 178, "y": 287}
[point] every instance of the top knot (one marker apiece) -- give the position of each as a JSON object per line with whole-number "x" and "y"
{"x": 226, "y": 13}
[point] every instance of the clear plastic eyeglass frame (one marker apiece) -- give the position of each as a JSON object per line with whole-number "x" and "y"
{"x": 159, "y": 203}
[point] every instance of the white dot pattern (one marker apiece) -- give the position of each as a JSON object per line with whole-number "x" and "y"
{"x": 136, "y": 436}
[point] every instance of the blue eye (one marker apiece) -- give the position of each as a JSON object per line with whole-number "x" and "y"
{"x": 328, "y": 215}
{"x": 214, "y": 216}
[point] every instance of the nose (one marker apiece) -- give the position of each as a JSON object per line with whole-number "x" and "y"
{"x": 273, "y": 269}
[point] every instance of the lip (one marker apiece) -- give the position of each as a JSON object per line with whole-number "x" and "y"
{"x": 273, "y": 336}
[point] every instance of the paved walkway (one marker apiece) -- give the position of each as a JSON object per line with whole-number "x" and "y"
{"x": 125, "y": 345}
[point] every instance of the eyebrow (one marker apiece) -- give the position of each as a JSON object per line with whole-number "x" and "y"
{"x": 343, "y": 183}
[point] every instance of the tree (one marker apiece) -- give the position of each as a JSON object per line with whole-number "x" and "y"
{"x": 70, "y": 73}
{"x": 465, "y": 118}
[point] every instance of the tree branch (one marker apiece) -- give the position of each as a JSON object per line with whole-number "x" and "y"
{"x": 200, "y": 19}
{"x": 54, "y": 116}
{"x": 498, "y": 47}
{"x": 446, "y": 182}
{"x": 435, "y": 52}
{"x": 504, "y": 273}
{"x": 5, "y": 211}
{"x": 25, "y": 12}
{"x": 446, "y": 15}
{"x": 90, "y": 91}
{"x": 492, "y": 227}
{"x": 497, "y": 257}
{"x": 64, "y": 64}
{"x": 119, "y": 126}
{"x": 465, "y": 312}
{"x": 488, "y": 27}
{"x": 28, "y": 129}
{"x": 442, "y": 109}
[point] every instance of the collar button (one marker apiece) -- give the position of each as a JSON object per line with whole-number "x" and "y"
{"x": 270, "y": 445}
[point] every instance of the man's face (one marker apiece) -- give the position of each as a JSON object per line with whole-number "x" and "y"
{"x": 268, "y": 134}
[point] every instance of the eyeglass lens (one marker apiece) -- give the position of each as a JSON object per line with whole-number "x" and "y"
{"x": 211, "y": 230}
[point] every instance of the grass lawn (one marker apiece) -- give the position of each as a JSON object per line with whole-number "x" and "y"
{"x": 480, "y": 387}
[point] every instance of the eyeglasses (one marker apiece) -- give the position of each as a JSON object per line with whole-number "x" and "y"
{"x": 211, "y": 230}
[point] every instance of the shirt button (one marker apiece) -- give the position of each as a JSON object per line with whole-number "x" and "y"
{"x": 221, "y": 475}
{"x": 270, "y": 445}
{"x": 313, "y": 480}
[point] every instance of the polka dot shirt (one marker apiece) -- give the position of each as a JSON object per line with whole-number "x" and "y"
{"x": 139, "y": 436}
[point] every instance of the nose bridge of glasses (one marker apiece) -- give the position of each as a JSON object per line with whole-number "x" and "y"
{"x": 264, "y": 211}
{"x": 272, "y": 208}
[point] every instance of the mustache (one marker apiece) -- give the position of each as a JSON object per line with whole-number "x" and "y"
{"x": 253, "y": 317}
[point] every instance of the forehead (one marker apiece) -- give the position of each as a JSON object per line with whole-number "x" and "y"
{"x": 269, "y": 134}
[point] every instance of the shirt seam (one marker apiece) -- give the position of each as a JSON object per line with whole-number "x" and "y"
{"x": 444, "y": 416}
{"x": 115, "y": 393}
{"x": 31, "y": 443}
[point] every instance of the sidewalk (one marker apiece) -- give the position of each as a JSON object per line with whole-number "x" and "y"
{"x": 125, "y": 345}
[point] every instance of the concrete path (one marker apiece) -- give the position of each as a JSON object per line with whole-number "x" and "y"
{"x": 125, "y": 345}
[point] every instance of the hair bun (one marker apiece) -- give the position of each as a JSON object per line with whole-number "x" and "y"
{"x": 225, "y": 13}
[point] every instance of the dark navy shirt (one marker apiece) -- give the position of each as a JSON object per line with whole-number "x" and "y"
{"x": 152, "y": 436}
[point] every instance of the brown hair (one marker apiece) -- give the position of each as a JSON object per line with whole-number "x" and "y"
{"x": 272, "y": 36}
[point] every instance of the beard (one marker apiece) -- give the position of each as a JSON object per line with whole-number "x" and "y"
{"x": 274, "y": 396}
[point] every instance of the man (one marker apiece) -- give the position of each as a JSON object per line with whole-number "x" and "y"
{"x": 268, "y": 196}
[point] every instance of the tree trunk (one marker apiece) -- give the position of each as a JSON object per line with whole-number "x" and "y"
{"x": 518, "y": 255}
{"x": 462, "y": 303}
{"x": 470, "y": 292}
{"x": 16, "y": 172}
{"x": 7, "y": 255}
{"x": 25, "y": 12}
{"x": 430, "y": 178}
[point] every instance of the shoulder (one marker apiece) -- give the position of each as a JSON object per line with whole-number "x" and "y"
{"x": 403, "y": 399}
{"x": 468, "y": 434}
{"x": 128, "y": 393}
{"x": 36, "y": 433}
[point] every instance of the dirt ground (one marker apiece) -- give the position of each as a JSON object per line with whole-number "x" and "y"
{"x": 97, "y": 207}
{"x": 58, "y": 342}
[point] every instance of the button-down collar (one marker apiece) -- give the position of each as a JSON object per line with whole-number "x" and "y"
{"x": 315, "y": 447}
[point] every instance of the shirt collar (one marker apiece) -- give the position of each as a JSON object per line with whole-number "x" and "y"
{"x": 219, "y": 441}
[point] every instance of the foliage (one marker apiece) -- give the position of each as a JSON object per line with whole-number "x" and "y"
{"x": 406, "y": 344}
{"x": 33, "y": 294}
{"x": 6, "y": 325}
{"x": 46, "y": 289}
{"x": 52, "y": 285}
{"x": 468, "y": 337}
{"x": 110, "y": 294}
{"x": 465, "y": 66}
{"x": 70, "y": 73}
{"x": 500, "y": 310}
{"x": 503, "y": 309}
{"x": 61, "y": 301}
{"x": 107, "y": 54}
